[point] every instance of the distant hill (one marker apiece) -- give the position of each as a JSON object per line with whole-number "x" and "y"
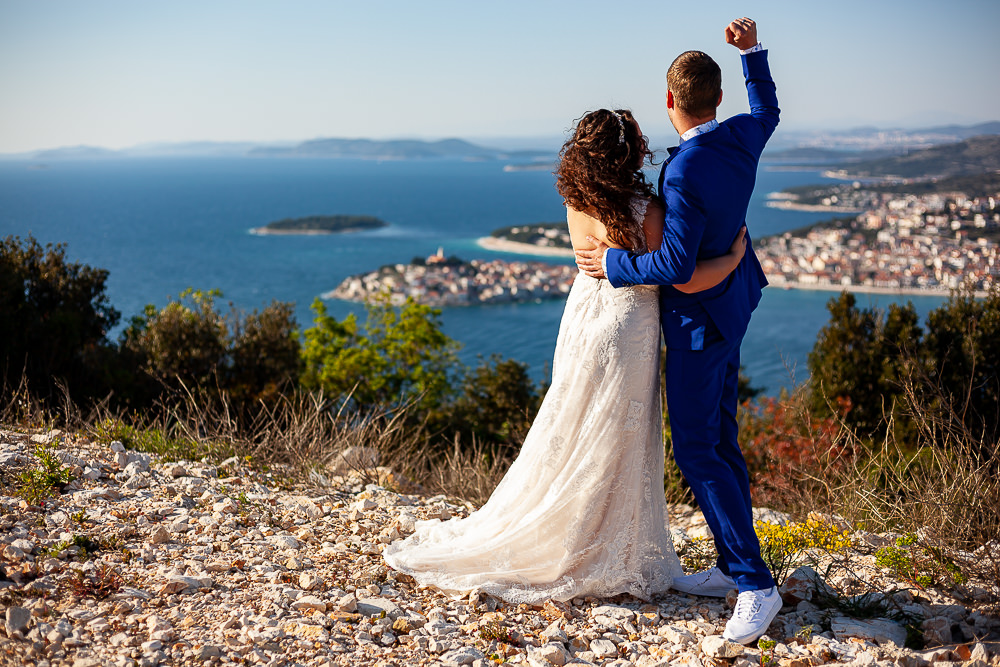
{"x": 966, "y": 131}
{"x": 74, "y": 153}
{"x": 871, "y": 142}
{"x": 976, "y": 155}
{"x": 829, "y": 155}
{"x": 974, "y": 185}
{"x": 949, "y": 133}
{"x": 398, "y": 149}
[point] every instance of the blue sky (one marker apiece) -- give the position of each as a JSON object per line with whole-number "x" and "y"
{"x": 121, "y": 73}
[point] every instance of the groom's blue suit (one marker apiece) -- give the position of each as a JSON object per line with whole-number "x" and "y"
{"x": 706, "y": 185}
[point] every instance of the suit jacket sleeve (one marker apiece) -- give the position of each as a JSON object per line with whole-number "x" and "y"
{"x": 674, "y": 262}
{"x": 762, "y": 93}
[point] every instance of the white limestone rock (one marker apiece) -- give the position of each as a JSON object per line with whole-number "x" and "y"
{"x": 16, "y": 620}
{"x": 716, "y": 646}
{"x": 880, "y": 631}
{"x": 603, "y": 648}
{"x": 309, "y": 603}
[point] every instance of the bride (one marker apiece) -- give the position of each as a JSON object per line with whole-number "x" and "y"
{"x": 581, "y": 510}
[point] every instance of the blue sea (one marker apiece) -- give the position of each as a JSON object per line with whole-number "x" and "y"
{"x": 161, "y": 225}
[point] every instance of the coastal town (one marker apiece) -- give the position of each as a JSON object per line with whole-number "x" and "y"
{"x": 930, "y": 243}
{"x": 448, "y": 281}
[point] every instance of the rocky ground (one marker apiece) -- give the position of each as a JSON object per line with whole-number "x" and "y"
{"x": 141, "y": 562}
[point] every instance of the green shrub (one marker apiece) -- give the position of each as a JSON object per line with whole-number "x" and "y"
{"x": 398, "y": 356}
{"x": 858, "y": 360}
{"x": 54, "y": 318}
{"x": 865, "y": 359}
{"x": 921, "y": 564}
{"x": 962, "y": 348}
{"x": 495, "y": 403}
{"x": 784, "y": 547}
{"x": 49, "y": 478}
{"x": 188, "y": 346}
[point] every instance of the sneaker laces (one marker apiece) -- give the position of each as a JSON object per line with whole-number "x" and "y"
{"x": 747, "y": 604}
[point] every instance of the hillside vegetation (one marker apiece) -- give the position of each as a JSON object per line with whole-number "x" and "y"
{"x": 973, "y": 156}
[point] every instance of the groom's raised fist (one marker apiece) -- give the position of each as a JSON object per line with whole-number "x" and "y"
{"x": 742, "y": 33}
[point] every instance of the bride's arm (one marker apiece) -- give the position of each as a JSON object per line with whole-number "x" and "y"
{"x": 710, "y": 272}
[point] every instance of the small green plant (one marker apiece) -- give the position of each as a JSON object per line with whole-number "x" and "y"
{"x": 99, "y": 584}
{"x": 252, "y": 512}
{"x": 805, "y": 633}
{"x": 49, "y": 478}
{"x": 86, "y": 547}
{"x": 156, "y": 441}
{"x": 698, "y": 554}
{"x": 918, "y": 563}
{"x": 111, "y": 543}
{"x": 766, "y": 647}
{"x": 78, "y": 517}
{"x": 496, "y": 631}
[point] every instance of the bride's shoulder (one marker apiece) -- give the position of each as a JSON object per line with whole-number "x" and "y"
{"x": 652, "y": 222}
{"x": 641, "y": 204}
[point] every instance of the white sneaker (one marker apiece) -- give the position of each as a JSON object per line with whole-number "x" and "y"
{"x": 753, "y": 614}
{"x": 711, "y": 583}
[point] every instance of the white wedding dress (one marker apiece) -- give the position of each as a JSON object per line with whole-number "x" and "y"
{"x": 581, "y": 510}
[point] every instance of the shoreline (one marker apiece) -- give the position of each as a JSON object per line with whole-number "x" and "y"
{"x": 503, "y": 245}
{"x": 773, "y": 281}
{"x": 788, "y": 205}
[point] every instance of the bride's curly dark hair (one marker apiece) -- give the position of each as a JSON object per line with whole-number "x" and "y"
{"x": 600, "y": 172}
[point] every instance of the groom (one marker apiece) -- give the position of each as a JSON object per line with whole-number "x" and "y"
{"x": 706, "y": 184}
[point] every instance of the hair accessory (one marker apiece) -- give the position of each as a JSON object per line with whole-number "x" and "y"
{"x": 621, "y": 127}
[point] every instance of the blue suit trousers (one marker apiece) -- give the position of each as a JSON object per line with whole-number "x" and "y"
{"x": 704, "y": 434}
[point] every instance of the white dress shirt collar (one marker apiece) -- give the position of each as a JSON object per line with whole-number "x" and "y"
{"x": 700, "y": 129}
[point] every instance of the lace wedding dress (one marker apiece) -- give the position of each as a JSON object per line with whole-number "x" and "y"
{"x": 581, "y": 510}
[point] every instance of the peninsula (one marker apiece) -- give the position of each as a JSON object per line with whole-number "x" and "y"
{"x": 450, "y": 281}
{"x": 321, "y": 224}
{"x": 543, "y": 238}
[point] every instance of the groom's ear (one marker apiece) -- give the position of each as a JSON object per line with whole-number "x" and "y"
{"x": 670, "y": 100}
{"x": 720, "y": 99}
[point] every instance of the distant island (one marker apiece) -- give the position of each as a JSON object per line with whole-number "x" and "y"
{"x": 321, "y": 224}
{"x": 449, "y": 281}
{"x": 395, "y": 149}
{"x": 541, "y": 238}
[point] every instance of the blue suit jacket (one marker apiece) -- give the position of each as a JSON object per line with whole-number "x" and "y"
{"x": 706, "y": 184}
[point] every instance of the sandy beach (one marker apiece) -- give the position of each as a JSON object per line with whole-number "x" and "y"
{"x": 503, "y": 245}
{"x": 781, "y": 283}
{"x": 789, "y": 205}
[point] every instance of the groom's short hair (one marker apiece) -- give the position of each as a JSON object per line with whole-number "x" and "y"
{"x": 696, "y": 81}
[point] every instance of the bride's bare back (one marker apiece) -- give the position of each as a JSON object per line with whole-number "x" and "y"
{"x": 582, "y": 225}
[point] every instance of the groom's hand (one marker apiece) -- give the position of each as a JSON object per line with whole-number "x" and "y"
{"x": 589, "y": 261}
{"x": 742, "y": 33}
